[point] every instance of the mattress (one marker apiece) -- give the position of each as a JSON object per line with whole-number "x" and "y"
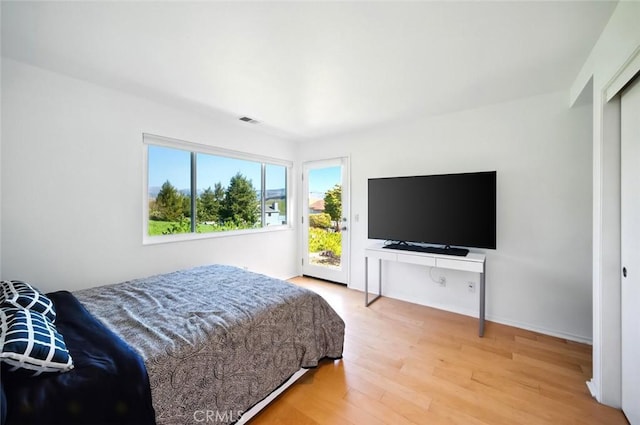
{"x": 217, "y": 339}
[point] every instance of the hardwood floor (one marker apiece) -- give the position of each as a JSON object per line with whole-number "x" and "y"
{"x": 409, "y": 364}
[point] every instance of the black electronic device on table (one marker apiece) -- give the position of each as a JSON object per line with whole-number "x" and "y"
{"x": 450, "y": 210}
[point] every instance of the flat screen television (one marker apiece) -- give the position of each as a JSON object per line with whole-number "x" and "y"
{"x": 451, "y": 210}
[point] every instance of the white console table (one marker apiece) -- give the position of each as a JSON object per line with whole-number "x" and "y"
{"x": 472, "y": 263}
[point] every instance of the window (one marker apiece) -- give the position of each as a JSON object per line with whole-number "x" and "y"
{"x": 169, "y": 191}
{"x": 275, "y": 195}
{"x": 194, "y": 189}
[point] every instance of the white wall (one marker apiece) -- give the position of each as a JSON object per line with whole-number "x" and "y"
{"x": 540, "y": 275}
{"x": 72, "y": 173}
{"x": 618, "y": 44}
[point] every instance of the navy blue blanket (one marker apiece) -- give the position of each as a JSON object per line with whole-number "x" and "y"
{"x": 108, "y": 385}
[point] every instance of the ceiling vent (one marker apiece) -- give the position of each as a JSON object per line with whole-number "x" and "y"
{"x": 249, "y": 120}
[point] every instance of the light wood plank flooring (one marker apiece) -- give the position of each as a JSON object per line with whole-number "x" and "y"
{"x": 409, "y": 364}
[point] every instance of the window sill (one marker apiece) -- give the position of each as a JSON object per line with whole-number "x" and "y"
{"x": 184, "y": 237}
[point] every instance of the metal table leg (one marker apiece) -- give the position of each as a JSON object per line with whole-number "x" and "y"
{"x": 367, "y": 303}
{"x": 482, "y": 301}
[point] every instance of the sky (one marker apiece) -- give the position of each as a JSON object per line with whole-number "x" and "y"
{"x": 323, "y": 179}
{"x": 175, "y": 165}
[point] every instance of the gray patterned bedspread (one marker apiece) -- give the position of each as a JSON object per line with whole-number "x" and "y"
{"x": 217, "y": 338}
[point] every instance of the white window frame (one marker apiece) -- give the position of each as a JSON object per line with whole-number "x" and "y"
{"x": 155, "y": 140}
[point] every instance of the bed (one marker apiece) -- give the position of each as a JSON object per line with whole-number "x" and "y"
{"x": 215, "y": 341}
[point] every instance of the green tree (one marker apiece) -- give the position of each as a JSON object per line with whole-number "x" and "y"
{"x": 333, "y": 204}
{"x": 210, "y": 203}
{"x": 240, "y": 205}
{"x": 186, "y": 204}
{"x": 154, "y": 211}
{"x": 168, "y": 204}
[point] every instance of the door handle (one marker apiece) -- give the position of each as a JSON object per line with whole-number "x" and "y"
{"x": 624, "y": 271}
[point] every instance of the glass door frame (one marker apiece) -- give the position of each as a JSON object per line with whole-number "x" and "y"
{"x": 342, "y": 274}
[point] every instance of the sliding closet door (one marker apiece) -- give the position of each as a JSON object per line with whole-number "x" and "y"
{"x": 630, "y": 251}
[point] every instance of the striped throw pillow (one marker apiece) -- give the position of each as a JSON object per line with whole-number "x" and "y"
{"x": 31, "y": 343}
{"x": 21, "y": 294}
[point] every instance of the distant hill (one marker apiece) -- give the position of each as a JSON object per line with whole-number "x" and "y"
{"x": 275, "y": 193}
{"x": 154, "y": 190}
{"x": 270, "y": 194}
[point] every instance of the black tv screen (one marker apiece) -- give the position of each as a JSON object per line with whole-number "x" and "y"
{"x": 447, "y": 209}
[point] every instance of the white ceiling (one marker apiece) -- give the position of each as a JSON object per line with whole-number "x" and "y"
{"x": 307, "y": 69}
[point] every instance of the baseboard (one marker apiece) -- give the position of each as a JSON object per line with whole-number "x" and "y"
{"x": 515, "y": 324}
{"x": 502, "y": 321}
{"x": 592, "y": 388}
{"x": 445, "y": 307}
{"x": 541, "y": 330}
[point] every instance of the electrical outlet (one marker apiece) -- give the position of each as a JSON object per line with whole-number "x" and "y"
{"x": 471, "y": 286}
{"x": 442, "y": 281}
